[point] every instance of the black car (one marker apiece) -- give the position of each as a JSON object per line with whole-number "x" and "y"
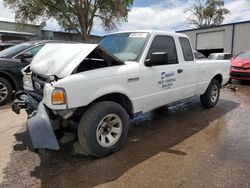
{"x": 12, "y": 60}
{"x": 7, "y": 44}
{"x": 4, "y": 46}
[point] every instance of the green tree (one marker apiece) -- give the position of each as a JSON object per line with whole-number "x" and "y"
{"x": 207, "y": 13}
{"x": 73, "y": 15}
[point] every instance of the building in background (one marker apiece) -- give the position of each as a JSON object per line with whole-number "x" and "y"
{"x": 232, "y": 38}
{"x": 9, "y": 31}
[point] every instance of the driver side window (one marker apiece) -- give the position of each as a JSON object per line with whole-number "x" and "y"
{"x": 164, "y": 44}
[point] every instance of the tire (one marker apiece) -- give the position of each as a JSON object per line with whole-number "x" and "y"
{"x": 6, "y": 91}
{"x": 43, "y": 153}
{"x": 103, "y": 128}
{"x": 210, "y": 98}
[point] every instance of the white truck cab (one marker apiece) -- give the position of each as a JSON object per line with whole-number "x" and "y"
{"x": 99, "y": 86}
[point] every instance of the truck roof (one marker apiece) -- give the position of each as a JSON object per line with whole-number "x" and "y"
{"x": 151, "y": 32}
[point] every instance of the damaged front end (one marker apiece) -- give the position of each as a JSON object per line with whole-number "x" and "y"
{"x": 53, "y": 63}
{"x": 26, "y": 100}
{"x": 39, "y": 122}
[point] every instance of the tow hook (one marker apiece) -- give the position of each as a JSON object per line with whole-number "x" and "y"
{"x": 232, "y": 87}
{"x": 17, "y": 106}
{"x": 25, "y": 100}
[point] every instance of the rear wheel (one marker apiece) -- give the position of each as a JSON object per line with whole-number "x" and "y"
{"x": 103, "y": 128}
{"x": 210, "y": 98}
{"x": 6, "y": 91}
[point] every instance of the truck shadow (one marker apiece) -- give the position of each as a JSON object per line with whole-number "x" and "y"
{"x": 150, "y": 133}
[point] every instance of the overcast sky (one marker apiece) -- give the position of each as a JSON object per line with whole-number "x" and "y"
{"x": 167, "y": 15}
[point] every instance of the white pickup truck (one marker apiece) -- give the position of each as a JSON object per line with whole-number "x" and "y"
{"x": 99, "y": 87}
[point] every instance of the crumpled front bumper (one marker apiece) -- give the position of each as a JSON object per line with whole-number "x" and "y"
{"x": 39, "y": 123}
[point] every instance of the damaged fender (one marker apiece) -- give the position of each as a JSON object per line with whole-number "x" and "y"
{"x": 40, "y": 129}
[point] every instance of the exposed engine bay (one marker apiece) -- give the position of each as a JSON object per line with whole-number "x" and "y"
{"x": 98, "y": 58}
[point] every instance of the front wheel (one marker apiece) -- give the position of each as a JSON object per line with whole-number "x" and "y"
{"x": 210, "y": 98}
{"x": 103, "y": 128}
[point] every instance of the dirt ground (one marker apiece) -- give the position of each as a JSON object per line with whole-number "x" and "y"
{"x": 183, "y": 146}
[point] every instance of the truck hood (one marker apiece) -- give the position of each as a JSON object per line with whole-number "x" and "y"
{"x": 61, "y": 59}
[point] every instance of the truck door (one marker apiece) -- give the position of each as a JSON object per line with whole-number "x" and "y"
{"x": 190, "y": 68}
{"x": 163, "y": 82}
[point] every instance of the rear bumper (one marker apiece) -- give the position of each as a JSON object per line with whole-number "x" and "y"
{"x": 39, "y": 123}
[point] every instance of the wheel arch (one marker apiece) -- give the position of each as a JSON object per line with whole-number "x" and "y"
{"x": 119, "y": 98}
{"x": 9, "y": 78}
{"x": 218, "y": 77}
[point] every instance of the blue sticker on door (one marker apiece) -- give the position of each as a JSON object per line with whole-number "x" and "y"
{"x": 167, "y": 80}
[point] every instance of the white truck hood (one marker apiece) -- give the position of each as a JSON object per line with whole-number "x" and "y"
{"x": 60, "y": 59}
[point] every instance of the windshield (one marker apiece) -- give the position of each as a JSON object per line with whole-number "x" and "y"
{"x": 125, "y": 46}
{"x": 244, "y": 55}
{"x": 10, "y": 52}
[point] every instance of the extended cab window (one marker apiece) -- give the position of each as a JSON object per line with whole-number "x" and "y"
{"x": 186, "y": 49}
{"x": 164, "y": 44}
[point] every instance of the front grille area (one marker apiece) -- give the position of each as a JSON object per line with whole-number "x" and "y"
{"x": 241, "y": 68}
{"x": 38, "y": 82}
{"x": 240, "y": 74}
{"x": 39, "y": 77}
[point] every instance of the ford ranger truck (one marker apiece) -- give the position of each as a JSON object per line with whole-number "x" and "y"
{"x": 97, "y": 88}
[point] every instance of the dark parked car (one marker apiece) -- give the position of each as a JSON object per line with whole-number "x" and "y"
{"x": 12, "y": 60}
{"x": 3, "y": 46}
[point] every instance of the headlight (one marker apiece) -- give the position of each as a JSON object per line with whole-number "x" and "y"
{"x": 27, "y": 82}
{"x": 58, "y": 96}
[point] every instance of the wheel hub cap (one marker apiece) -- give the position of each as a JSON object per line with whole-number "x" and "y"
{"x": 3, "y": 91}
{"x": 214, "y": 93}
{"x": 105, "y": 129}
{"x": 109, "y": 130}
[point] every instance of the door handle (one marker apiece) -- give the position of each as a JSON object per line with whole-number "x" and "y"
{"x": 135, "y": 79}
{"x": 180, "y": 70}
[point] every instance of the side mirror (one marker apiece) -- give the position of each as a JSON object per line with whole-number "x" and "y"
{"x": 157, "y": 58}
{"x": 25, "y": 56}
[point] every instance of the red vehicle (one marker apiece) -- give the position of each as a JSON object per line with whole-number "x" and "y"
{"x": 240, "y": 66}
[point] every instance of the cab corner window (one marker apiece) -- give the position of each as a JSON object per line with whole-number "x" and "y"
{"x": 166, "y": 45}
{"x": 186, "y": 49}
